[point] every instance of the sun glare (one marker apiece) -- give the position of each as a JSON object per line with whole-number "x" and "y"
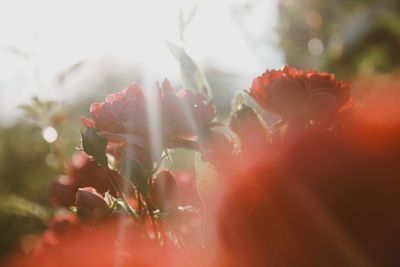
{"x": 59, "y": 35}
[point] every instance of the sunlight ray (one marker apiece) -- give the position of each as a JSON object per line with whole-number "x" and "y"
{"x": 154, "y": 121}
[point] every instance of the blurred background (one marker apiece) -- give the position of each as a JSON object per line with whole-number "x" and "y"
{"x": 57, "y": 57}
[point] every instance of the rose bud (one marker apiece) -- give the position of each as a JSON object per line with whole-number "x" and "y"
{"x": 90, "y": 204}
{"x": 164, "y": 194}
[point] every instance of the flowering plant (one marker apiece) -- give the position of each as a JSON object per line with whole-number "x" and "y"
{"x": 291, "y": 193}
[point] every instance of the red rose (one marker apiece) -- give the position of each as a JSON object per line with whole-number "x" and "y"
{"x": 123, "y": 116}
{"x": 308, "y": 95}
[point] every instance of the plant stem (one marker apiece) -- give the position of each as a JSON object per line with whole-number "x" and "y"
{"x": 120, "y": 195}
{"x": 139, "y": 199}
{"x": 153, "y": 221}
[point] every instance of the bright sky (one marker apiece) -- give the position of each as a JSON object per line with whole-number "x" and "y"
{"x": 53, "y": 35}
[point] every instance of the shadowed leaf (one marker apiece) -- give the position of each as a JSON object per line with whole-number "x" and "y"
{"x": 95, "y": 145}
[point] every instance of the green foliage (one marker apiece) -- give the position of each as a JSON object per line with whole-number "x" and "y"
{"x": 357, "y": 36}
{"x": 18, "y": 217}
{"x": 23, "y": 168}
{"x": 28, "y": 163}
{"x": 43, "y": 113}
{"x": 16, "y": 205}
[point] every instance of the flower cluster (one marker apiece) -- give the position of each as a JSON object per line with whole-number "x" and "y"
{"x": 163, "y": 207}
{"x": 319, "y": 187}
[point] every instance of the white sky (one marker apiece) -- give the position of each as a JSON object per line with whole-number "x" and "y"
{"x": 57, "y": 34}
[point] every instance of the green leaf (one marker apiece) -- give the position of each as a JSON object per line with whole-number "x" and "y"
{"x": 94, "y": 144}
{"x": 192, "y": 77}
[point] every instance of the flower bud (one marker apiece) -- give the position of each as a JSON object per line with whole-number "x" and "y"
{"x": 90, "y": 204}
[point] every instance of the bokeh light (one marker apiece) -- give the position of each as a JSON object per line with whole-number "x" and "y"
{"x": 49, "y": 134}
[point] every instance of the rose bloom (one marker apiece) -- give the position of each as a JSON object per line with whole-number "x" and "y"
{"x": 123, "y": 116}
{"x": 306, "y": 95}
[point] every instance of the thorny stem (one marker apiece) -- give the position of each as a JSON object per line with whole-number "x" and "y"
{"x": 140, "y": 207}
{"x": 149, "y": 206}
